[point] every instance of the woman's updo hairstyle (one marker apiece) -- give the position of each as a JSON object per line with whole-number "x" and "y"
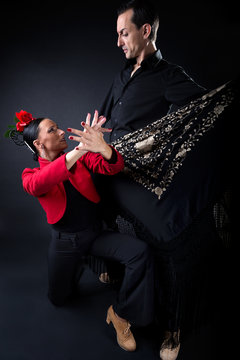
{"x": 30, "y": 133}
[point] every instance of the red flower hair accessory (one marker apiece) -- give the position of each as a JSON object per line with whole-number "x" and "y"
{"x": 24, "y": 118}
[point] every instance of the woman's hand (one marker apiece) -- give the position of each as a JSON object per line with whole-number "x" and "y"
{"x": 91, "y": 138}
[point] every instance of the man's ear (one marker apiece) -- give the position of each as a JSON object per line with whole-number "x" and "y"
{"x": 146, "y": 30}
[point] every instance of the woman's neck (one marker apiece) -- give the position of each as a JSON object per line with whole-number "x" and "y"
{"x": 50, "y": 156}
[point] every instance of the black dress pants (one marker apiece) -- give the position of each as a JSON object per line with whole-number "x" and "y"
{"x": 135, "y": 298}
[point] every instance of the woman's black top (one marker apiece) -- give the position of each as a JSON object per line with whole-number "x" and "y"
{"x": 80, "y": 212}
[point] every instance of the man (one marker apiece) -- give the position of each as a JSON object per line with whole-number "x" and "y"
{"x": 148, "y": 86}
{"x": 145, "y": 90}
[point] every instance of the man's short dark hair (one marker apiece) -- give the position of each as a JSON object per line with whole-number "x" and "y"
{"x": 144, "y": 12}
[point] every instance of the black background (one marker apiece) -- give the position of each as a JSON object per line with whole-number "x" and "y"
{"x": 58, "y": 60}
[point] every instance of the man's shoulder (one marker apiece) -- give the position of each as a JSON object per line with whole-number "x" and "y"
{"x": 167, "y": 70}
{"x": 167, "y": 65}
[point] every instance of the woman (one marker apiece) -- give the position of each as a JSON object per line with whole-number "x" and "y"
{"x": 65, "y": 189}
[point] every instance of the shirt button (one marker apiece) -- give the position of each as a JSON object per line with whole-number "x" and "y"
{"x": 120, "y": 103}
{"x": 114, "y": 134}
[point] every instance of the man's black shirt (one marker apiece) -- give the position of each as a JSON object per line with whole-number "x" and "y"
{"x": 134, "y": 102}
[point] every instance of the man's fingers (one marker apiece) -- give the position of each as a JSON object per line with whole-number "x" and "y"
{"x": 95, "y": 118}
{"x": 88, "y": 118}
{"x": 101, "y": 121}
{"x": 105, "y": 130}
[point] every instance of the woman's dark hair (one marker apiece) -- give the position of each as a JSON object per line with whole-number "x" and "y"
{"x": 30, "y": 133}
{"x": 144, "y": 12}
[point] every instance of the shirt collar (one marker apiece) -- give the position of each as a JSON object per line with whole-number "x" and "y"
{"x": 151, "y": 61}
{"x": 44, "y": 162}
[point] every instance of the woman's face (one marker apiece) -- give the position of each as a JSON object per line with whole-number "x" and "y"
{"x": 50, "y": 139}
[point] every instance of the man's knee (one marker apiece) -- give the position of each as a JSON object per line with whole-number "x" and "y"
{"x": 141, "y": 252}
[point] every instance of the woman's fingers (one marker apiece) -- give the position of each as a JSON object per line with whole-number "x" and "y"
{"x": 75, "y": 131}
{"x": 90, "y": 139}
{"x": 87, "y": 134}
{"x": 75, "y": 138}
{"x": 87, "y": 128}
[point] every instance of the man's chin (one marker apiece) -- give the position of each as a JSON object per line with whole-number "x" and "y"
{"x": 128, "y": 56}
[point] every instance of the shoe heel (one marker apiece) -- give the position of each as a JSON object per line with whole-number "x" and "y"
{"x": 108, "y": 320}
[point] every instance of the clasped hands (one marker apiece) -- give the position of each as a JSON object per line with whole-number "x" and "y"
{"x": 91, "y": 138}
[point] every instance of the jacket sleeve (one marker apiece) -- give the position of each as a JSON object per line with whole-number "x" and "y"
{"x": 97, "y": 164}
{"x": 38, "y": 181}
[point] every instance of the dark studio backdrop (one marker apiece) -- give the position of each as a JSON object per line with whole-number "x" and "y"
{"x": 58, "y": 61}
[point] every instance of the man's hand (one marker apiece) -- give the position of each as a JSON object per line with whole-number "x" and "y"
{"x": 97, "y": 122}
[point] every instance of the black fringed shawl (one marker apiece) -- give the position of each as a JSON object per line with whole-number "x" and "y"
{"x": 177, "y": 165}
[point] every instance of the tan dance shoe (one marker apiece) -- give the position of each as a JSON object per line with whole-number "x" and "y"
{"x": 125, "y": 337}
{"x": 170, "y": 347}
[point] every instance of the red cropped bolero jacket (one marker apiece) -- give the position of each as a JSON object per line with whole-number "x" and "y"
{"x": 46, "y": 182}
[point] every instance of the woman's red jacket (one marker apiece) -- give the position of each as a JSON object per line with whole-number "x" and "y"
{"x": 46, "y": 182}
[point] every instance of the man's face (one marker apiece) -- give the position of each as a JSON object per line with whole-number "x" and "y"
{"x": 130, "y": 38}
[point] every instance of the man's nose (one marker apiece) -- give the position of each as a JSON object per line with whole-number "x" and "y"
{"x": 119, "y": 42}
